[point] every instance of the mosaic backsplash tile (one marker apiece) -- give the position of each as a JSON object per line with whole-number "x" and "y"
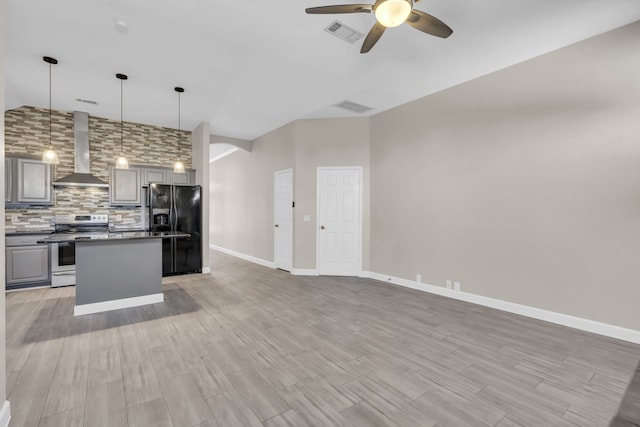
{"x": 27, "y": 134}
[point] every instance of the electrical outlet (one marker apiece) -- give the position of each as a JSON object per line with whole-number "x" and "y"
{"x": 118, "y": 217}
{"x": 448, "y": 284}
{"x": 14, "y": 217}
{"x": 419, "y": 278}
{"x": 456, "y": 286}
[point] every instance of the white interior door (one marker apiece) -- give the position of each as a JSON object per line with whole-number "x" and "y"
{"x": 283, "y": 223}
{"x": 339, "y": 234}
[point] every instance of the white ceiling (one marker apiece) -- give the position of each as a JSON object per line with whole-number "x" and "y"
{"x": 251, "y": 66}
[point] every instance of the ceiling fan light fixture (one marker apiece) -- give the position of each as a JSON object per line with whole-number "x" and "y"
{"x": 392, "y": 13}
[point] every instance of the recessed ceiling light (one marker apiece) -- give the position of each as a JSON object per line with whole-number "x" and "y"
{"x": 121, "y": 26}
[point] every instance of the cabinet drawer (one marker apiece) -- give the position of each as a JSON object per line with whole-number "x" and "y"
{"x": 25, "y": 240}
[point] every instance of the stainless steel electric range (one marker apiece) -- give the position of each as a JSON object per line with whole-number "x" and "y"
{"x": 63, "y": 255}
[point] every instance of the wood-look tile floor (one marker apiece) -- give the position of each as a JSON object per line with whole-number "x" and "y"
{"x": 250, "y": 346}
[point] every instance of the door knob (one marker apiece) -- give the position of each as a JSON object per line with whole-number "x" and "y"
{"x": 277, "y": 226}
{"x": 322, "y": 227}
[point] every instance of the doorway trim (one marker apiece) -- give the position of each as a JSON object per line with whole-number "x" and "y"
{"x": 360, "y": 211}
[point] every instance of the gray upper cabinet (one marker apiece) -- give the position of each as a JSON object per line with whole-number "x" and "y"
{"x": 28, "y": 182}
{"x": 155, "y": 175}
{"x": 126, "y": 187}
{"x": 186, "y": 178}
{"x": 34, "y": 182}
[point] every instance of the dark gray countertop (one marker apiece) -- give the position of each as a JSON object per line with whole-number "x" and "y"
{"x": 27, "y": 233}
{"x": 126, "y": 235}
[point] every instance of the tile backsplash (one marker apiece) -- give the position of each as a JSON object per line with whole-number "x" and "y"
{"x": 27, "y": 134}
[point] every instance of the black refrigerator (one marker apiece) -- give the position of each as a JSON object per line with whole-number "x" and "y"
{"x": 177, "y": 208}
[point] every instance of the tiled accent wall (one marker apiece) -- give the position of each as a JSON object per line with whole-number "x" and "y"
{"x": 27, "y": 134}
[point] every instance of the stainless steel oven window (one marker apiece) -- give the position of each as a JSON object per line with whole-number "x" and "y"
{"x": 66, "y": 253}
{"x": 55, "y": 261}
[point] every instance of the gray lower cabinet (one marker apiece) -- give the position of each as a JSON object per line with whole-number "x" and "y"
{"x": 125, "y": 187}
{"x": 28, "y": 182}
{"x": 26, "y": 261}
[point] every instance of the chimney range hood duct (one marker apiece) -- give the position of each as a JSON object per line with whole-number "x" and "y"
{"x": 81, "y": 177}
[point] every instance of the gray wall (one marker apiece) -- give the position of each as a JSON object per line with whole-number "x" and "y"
{"x": 200, "y": 161}
{"x": 242, "y": 185}
{"x": 326, "y": 142}
{"x": 524, "y": 184}
{"x": 242, "y": 194}
{"x": 3, "y": 364}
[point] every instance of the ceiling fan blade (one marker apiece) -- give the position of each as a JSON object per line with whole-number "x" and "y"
{"x": 345, "y": 8}
{"x": 428, "y": 24}
{"x": 373, "y": 37}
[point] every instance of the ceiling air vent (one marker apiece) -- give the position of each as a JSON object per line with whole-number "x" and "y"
{"x": 87, "y": 101}
{"x": 352, "y": 106}
{"x": 343, "y": 32}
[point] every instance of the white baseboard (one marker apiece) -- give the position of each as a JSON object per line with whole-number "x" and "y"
{"x": 5, "y": 414}
{"x": 365, "y": 274}
{"x": 206, "y": 270}
{"x": 613, "y": 331}
{"x": 304, "y": 272}
{"x": 250, "y": 258}
{"x": 99, "y": 307}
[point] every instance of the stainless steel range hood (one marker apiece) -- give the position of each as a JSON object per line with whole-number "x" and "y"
{"x": 82, "y": 176}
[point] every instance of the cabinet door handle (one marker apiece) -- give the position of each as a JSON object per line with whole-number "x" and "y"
{"x": 277, "y": 225}
{"x": 322, "y": 227}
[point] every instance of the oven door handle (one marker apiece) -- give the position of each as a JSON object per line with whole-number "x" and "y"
{"x": 64, "y": 244}
{"x": 64, "y": 273}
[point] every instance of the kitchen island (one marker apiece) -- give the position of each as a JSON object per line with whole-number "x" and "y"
{"x": 117, "y": 270}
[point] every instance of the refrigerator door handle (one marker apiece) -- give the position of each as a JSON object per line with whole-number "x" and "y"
{"x": 175, "y": 209}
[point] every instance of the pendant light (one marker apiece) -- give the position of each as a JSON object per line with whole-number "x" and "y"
{"x": 49, "y": 155}
{"x": 178, "y": 166}
{"x": 121, "y": 162}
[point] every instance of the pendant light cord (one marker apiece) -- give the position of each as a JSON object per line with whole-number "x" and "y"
{"x": 179, "y": 134}
{"x": 121, "y": 115}
{"x": 50, "y": 127}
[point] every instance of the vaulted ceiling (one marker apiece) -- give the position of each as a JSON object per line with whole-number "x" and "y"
{"x": 251, "y": 66}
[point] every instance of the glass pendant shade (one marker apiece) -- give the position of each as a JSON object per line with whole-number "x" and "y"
{"x": 178, "y": 167}
{"x": 122, "y": 162}
{"x": 392, "y": 13}
{"x": 50, "y": 157}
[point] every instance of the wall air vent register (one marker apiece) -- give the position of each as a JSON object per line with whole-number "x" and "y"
{"x": 352, "y": 106}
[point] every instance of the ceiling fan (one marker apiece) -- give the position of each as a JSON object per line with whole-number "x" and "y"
{"x": 389, "y": 13}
